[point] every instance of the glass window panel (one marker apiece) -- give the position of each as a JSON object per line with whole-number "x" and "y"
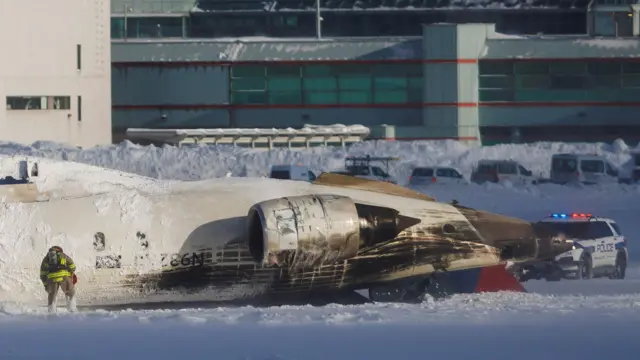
{"x": 631, "y": 81}
{"x": 353, "y": 69}
{"x": 117, "y": 28}
{"x": 604, "y": 81}
{"x": 567, "y": 68}
{"x": 284, "y": 84}
{"x": 321, "y": 98}
{"x": 567, "y": 82}
{"x": 414, "y": 96}
{"x": 285, "y": 98}
{"x": 249, "y": 71}
{"x": 390, "y": 97}
{"x": 629, "y": 95}
{"x": 248, "y": 84}
{"x": 496, "y": 82}
{"x": 390, "y": 83}
{"x": 355, "y": 82}
{"x": 248, "y": 97}
{"x": 154, "y": 27}
{"x": 318, "y": 71}
{"x": 320, "y": 84}
{"x": 531, "y": 68}
{"x": 283, "y": 70}
{"x": 495, "y": 67}
{"x": 631, "y": 67}
{"x": 496, "y": 95}
{"x": 549, "y": 95}
{"x": 414, "y": 69}
{"x": 533, "y": 82}
{"x": 389, "y": 70}
{"x": 604, "y": 67}
{"x": 602, "y": 95}
{"x": 604, "y": 25}
{"x": 355, "y": 97}
{"x": 415, "y": 82}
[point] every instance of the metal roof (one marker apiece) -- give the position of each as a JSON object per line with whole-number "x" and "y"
{"x": 266, "y": 49}
{"x": 554, "y": 47}
{"x": 203, "y": 6}
{"x": 382, "y": 5}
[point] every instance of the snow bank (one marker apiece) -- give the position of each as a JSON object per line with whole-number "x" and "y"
{"x": 204, "y": 162}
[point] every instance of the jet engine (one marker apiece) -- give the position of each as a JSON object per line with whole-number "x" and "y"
{"x": 309, "y": 230}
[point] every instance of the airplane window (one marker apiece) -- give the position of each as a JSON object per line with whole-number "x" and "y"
{"x": 99, "y": 241}
{"x": 142, "y": 238}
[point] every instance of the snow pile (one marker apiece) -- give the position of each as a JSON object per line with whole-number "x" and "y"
{"x": 336, "y": 129}
{"x": 205, "y": 162}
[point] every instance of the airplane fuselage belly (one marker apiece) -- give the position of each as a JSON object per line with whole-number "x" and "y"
{"x": 192, "y": 235}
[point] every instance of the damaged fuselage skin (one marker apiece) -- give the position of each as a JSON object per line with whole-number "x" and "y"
{"x": 253, "y": 240}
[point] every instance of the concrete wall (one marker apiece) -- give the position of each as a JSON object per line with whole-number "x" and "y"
{"x": 39, "y": 58}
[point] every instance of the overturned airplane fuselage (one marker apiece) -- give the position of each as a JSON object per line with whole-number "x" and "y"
{"x": 253, "y": 240}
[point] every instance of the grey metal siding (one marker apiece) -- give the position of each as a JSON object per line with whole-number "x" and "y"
{"x": 153, "y": 118}
{"x": 558, "y": 115}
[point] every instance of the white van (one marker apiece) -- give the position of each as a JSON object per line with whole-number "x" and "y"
{"x": 501, "y": 170}
{"x": 581, "y": 168}
{"x": 635, "y": 173}
{"x": 292, "y": 172}
{"x": 444, "y": 175}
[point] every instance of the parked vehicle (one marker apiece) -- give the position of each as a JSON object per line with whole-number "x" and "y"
{"x": 361, "y": 167}
{"x": 292, "y": 172}
{"x": 582, "y": 168}
{"x": 600, "y": 249}
{"x": 425, "y": 175}
{"x": 635, "y": 173}
{"x": 501, "y": 170}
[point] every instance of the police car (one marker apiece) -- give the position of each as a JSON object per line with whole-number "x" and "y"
{"x": 600, "y": 249}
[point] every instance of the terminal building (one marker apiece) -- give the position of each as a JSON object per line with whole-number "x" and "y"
{"x": 55, "y": 72}
{"x": 487, "y": 72}
{"x": 480, "y": 71}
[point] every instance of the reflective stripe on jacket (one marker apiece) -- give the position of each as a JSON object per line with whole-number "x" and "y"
{"x": 57, "y": 272}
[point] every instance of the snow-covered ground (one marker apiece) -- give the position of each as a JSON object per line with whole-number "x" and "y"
{"x": 569, "y": 319}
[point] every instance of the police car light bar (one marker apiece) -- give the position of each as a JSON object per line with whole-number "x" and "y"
{"x": 572, "y": 215}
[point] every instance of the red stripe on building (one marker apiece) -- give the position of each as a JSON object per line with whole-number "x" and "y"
{"x": 559, "y": 103}
{"x": 371, "y": 106}
{"x": 257, "y": 107}
{"x": 597, "y": 59}
{"x": 287, "y": 62}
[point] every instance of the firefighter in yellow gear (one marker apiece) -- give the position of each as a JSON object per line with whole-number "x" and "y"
{"x": 56, "y": 271}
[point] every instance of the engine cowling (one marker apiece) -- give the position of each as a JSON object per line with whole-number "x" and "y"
{"x": 309, "y": 230}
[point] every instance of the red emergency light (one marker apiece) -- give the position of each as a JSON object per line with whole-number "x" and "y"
{"x": 581, "y": 215}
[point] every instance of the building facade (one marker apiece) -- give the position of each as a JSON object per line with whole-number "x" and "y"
{"x": 55, "y": 72}
{"x": 460, "y": 81}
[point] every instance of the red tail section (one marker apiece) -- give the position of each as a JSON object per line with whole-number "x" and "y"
{"x": 497, "y": 278}
{"x": 487, "y": 279}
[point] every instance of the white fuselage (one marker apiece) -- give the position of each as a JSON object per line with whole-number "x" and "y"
{"x": 150, "y": 228}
